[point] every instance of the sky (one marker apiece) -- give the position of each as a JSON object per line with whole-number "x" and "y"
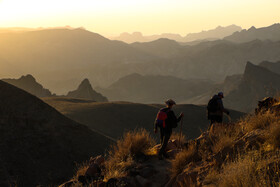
{"x": 112, "y": 17}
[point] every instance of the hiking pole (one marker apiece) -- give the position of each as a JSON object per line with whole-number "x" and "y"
{"x": 180, "y": 145}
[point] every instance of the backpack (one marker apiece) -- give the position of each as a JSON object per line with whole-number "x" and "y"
{"x": 161, "y": 117}
{"x": 213, "y": 105}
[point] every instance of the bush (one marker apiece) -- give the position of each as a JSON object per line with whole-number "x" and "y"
{"x": 124, "y": 154}
{"x": 259, "y": 121}
{"x": 182, "y": 159}
{"x": 250, "y": 170}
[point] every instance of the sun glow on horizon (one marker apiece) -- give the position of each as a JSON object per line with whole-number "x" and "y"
{"x": 147, "y": 16}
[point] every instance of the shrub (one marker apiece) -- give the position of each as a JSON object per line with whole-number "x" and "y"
{"x": 273, "y": 135}
{"x": 176, "y": 136}
{"x": 259, "y": 121}
{"x": 123, "y": 155}
{"x": 246, "y": 171}
{"x": 182, "y": 159}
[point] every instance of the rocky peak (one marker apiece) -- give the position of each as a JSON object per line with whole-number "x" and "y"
{"x": 85, "y": 84}
{"x": 85, "y": 91}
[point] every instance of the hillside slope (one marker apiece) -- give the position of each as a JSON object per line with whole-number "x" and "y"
{"x": 154, "y": 89}
{"x": 115, "y": 118}
{"x": 38, "y": 145}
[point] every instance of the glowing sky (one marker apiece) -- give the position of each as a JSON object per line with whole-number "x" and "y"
{"x": 111, "y": 17}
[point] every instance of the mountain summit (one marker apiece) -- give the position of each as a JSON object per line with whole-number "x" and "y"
{"x": 85, "y": 91}
{"x": 29, "y": 84}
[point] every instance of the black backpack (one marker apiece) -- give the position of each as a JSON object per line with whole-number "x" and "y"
{"x": 213, "y": 105}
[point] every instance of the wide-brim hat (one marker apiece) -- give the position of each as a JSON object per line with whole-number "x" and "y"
{"x": 170, "y": 102}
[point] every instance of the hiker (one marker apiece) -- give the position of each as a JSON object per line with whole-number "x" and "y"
{"x": 166, "y": 120}
{"x": 215, "y": 109}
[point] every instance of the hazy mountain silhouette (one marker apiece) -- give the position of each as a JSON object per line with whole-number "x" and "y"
{"x": 115, "y": 118}
{"x": 272, "y": 66}
{"x": 38, "y": 145}
{"x": 217, "y": 33}
{"x": 61, "y": 57}
{"x": 265, "y": 33}
{"x": 257, "y": 82}
{"x": 29, "y": 84}
{"x": 154, "y": 89}
{"x": 85, "y": 91}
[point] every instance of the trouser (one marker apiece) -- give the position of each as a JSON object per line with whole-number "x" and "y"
{"x": 164, "y": 138}
{"x": 215, "y": 119}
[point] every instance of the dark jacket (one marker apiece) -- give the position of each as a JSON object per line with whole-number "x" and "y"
{"x": 221, "y": 108}
{"x": 171, "y": 121}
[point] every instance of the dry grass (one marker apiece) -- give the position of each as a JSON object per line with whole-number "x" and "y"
{"x": 124, "y": 154}
{"x": 81, "y": 169}
{"x": 182, "y": 159}
{"x": 250, "y": 170}
{"x": 260, "y": 121}
{"x": 176, "y": 136}
{"x": 273, "y": 135}
{"x": 223, "y": 136}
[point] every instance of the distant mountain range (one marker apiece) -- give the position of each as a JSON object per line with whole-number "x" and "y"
{"x": 265, "y": 33}
{"x": 38, "y": 145}
{"x": 61, "y": 58}
{"x": 214, "y": 34}
{"x": 243, "y": 91}
{"x": 154, "y": 89}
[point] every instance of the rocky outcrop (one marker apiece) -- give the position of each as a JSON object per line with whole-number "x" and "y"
{"x": 29, "y": 84}
{"x": 85, "y": 91}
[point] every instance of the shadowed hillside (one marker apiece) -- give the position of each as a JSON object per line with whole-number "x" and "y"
{"x": 38, "y": 145}
{"x": 114, "y": 118}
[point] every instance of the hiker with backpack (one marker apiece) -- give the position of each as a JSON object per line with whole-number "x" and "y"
{"x": 215, "y": 109}
{"x": 165, "y": 121}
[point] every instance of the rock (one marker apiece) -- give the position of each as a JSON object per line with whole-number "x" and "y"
{"x": 142, "y": 181}
{"x": 265, "y": 104}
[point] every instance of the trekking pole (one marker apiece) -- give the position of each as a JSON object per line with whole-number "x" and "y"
{"x": 180, "y": 145}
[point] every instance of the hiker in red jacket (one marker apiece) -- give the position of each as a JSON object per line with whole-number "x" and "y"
{"x": 166, "y": 120}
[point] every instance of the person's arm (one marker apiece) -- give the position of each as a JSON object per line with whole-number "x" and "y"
{"x": 155, "y": 126}
{"x": 223, "y": 108}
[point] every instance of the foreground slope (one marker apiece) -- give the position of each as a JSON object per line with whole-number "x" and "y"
{"x": 114, "y": 118}
{"x": 39, "y": 145}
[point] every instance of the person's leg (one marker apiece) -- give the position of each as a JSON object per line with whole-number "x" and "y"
{"x": 161, "y": 135}
{"x": 165, "y": 142}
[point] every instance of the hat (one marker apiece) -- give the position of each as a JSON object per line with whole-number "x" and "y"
{"x": 221, "y": 94}
{"x": 170, "y": 102}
